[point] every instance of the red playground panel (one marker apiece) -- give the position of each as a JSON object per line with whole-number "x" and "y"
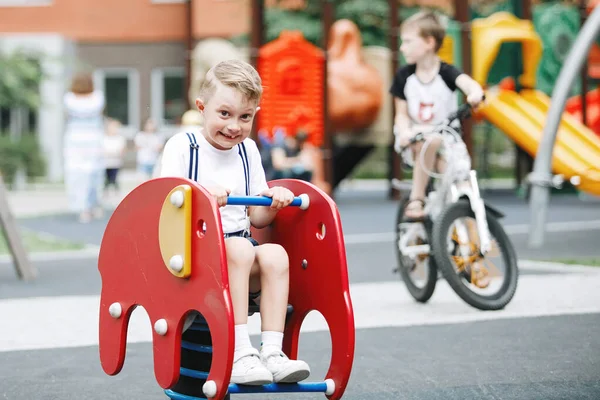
{"x": 163, "y": 249}
{"x": 574, "y": 107}
{"x": 292, "y": 70}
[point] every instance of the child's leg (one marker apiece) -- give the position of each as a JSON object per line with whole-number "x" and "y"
{"x": 115, "y": 179}
{"x": 440, "y": 164}
{"x": 273, "y": 263}
{"x": 420, "y": 176}
{"x": 247, "y": 367}
{"x": 106, "y": 178}
{"x": 112, "y": 177}
{"x": 240, "y": 259}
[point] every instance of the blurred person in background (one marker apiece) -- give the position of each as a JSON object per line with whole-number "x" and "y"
{"x": 293, "y": 157}
{"x": 83, "y": 147}
{"x": 148, "y": 144}
{"x": 115, "y": 145}
{"x": 190, "y": 122}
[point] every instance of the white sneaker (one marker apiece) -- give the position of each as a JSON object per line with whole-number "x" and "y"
{"x": 249, "y": 370}
{"x": 283, "y": 369}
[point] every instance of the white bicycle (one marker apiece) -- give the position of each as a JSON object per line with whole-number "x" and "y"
{"x": 460, "y": 234}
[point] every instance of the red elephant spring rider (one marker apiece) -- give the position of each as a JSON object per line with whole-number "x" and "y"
{"x": 163, "y": 249}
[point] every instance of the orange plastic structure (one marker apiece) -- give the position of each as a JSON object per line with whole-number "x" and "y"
{"x": 592, "y": 98}
{"x": 594, "y": 56}
{"x": 133, "y": 271}
{"x": 594, "y": 62}
{"x": 292, "y": 72}
{"x": 355, "y": 88}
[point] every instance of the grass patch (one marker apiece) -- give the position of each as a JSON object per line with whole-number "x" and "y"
{"x": 592, "y": 262}
{"x": 38, "y": 242}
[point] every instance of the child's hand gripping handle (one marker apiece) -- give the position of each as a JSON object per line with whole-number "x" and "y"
{"x": 301, "y": 201}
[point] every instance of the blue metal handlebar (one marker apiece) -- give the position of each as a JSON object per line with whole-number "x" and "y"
{"x": 301, "y": 201}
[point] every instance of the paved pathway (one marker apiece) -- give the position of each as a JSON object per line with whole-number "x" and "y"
{"x": 544, "y": 345}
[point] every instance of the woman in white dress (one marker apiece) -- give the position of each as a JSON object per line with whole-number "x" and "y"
{"x": 83, "y": 147}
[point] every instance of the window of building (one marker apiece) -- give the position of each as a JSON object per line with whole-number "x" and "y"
{"x": 17, "y": 121}
{"x": 25, "y": 3}
{"x": 121, "y": 88}
{"x": 4, "y": 120}
{"x": 168, "y": 95}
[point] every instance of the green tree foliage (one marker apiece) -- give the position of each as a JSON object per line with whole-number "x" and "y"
{"x": 20, "y": 78}
{"x": 371, "y": 17}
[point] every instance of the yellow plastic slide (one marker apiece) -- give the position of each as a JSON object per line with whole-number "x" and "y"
{"x": 521, "y": 116}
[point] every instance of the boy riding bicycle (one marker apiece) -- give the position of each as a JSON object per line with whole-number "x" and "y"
{"x": 423, "y": 93}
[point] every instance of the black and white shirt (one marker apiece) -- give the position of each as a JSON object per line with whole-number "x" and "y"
{"x": 428, "y": 103}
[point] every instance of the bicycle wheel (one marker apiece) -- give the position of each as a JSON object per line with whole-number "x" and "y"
{"x": 472, "y": 276}
{"x": 419, "y": 273}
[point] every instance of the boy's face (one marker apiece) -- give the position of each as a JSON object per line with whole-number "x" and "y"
{"x": 414, "y": 47}
{"x": 228, "y": 117}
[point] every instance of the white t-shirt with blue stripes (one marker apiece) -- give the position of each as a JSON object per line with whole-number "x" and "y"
{"x": 238, "y": 169}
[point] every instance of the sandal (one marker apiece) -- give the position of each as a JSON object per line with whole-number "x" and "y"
{"x": 414, "y": 210}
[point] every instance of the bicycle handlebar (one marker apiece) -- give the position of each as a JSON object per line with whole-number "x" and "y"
{"x": 463, "y": 112}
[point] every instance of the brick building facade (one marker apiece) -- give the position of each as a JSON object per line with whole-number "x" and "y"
{"x": 136, "y": 48}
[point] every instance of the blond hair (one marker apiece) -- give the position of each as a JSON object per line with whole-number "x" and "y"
{"x": 235, "y": 74}
{"x": 428, "y": 25}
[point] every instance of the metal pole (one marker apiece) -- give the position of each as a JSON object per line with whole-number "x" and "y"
{"x": 584, "y": 70}
{"x": 257, "y": 29}
{"x": 189, "y": 44}
{"x": 395, "y": 167}
{"x": 526, "y": 9}
{"x": 523, "y": 161}
{"x": 327, "y": 153}
{"x": 541, "y": 178}
{"x": 462, "y": 14}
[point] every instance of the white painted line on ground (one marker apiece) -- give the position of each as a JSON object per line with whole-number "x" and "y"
{"x": 546, "y": 266}
{"x": 90, "y": 252}
{"x": 565, "y": 226}
{"x": 517, "y": 229}
{"x": 72, "y": 321}
{"x": 368, "y": 238}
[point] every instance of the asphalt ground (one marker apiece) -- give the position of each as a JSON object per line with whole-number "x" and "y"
{"x": 544, "y": 345}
